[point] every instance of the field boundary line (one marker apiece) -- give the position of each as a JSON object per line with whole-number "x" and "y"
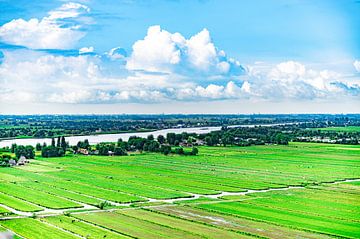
{"x": 62, "y": 229}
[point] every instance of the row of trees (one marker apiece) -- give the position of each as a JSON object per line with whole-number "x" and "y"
{"x": 21, "y": 150}
{"x": 57, "y": 148}
{"x": 245, "y": 136}
{"x": 281, "y": 134}
{"x": 47, "y": 126}
{"x": 149, "y": 144}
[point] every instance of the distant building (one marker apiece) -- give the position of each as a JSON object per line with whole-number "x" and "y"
{"x": 12, "y": 162}
{"x": 83, "y": 151}
{"x": 111, "y": 153}
{"x": 22, "y": 160}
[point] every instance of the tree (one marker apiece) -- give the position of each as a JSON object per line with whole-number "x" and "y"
{"x": 171, "y": 137}
{"x": 227, "y": 139}
{"x": 53, "y": 142}
{"x": 86, "y": 144}
{"x": 194, "y": 151}
{"x": 104, "y": 148}
{"x": 58, "y": 142}
{"x": 38, "y": 147}
{"x": 151, "y": 146}
{"x": 63, "y": 144}
{"x": 165, "y": 149}
{"x": 119, "y": 151}
{"x": 179, "y": 151}
{"x": 51, "y": 151}
{"x": 13, "y": 148}
{"x": 26, "y": 151}
{"x": 161, "y": 139}
{"x": 209, "y": 141}
{"x": 124, "y": 145}
{"x": 136, "y": 142}
{"x": 150, "y": 137}
{"x": 83, "y": 144}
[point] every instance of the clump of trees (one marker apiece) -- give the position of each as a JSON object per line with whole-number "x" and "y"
{"x": 51, "y": 151}
{"x": 246, "y": 136}
{"x": 26, "y": 151}
{"x": 56, "y": 149}
{"x": 4, "y": 160}
{"x": 19, "y": 150}
{"x": 110, "y": 149}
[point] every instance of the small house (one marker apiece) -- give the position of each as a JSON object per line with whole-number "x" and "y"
{"x": 12, "y": 162}
{"x": 110, "y": 153}
{"x": 83, "y": 151}
{"x": 22, "y": 160}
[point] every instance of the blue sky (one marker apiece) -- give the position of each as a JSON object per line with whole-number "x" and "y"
{"x": 149, "y": 56}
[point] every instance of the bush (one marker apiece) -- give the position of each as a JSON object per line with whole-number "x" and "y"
{"x": 52, "y": 151}
{"x": 179, "y": 151}
{"x": 194, "y": 151}
{"x": 165, "y": 149}
{"x": 119, "y": 151}
{"x": 102, "y": 205}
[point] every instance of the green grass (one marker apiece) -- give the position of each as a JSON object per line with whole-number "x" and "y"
{"x": 241, "y": 225}
{"x": 64, "y": 193}
{"x": 4, "y": 211}
{"x": 34, "y": 229}
{"x": 331, "y": 209}
{"x": 18, "y": 204}
{"x": 180, "y": 224}
{"x": 81, "y": 228}
{"x": 37, "y": 197}
{"x": 322, "y": 209}
{"x": 341, "y": 129}
{"x": 133, "y": 226}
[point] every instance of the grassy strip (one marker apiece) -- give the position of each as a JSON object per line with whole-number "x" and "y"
{"x": 81, "y": 228}
{"x": 296, "y": 220}
{"x": 36, "y": 197}
{"x": 132, "y": 226}
{"x": 18, "y": 204}
{"x": 34, "y": 229}
{"x": 180, "y": 224}
{"x": 62, "y": 192}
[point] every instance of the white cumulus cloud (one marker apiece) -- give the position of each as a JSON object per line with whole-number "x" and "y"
{"x": 162, "y": 51}
{"x": 47, "y": 33}
{"x": 294, "y": 80}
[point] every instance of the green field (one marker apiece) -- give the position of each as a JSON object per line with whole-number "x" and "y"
{"x": 139, "y": 186}
{"x": 341, "y": 129}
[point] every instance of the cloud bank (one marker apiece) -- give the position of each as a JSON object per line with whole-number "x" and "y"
{"x": 161, "y": 67}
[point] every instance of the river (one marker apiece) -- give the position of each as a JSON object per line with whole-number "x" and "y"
{"x": 95, "y": 139}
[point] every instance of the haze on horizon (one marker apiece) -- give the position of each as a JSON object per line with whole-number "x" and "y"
{"x": 205, "y": 56}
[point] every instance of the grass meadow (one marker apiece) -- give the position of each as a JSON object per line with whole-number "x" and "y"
{"x": 141, "y": 188}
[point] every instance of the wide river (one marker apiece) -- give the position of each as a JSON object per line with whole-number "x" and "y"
{"x": 94, "y": 139}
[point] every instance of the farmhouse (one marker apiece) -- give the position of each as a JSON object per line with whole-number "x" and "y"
{"x": 22, "y": 160}
{"x": 83, "y": 151}
{"x": 12, "y": 162}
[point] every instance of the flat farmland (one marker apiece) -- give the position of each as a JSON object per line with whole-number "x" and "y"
{"x": 342, "y": 129}
{"x": 228, "y": 192}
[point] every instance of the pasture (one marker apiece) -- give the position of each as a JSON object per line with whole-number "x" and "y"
{"x": 342, "y": 129}
{"x": 150, "y": 195}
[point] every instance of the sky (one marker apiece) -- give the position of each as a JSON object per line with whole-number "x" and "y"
{"x": 179, "y": 56}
